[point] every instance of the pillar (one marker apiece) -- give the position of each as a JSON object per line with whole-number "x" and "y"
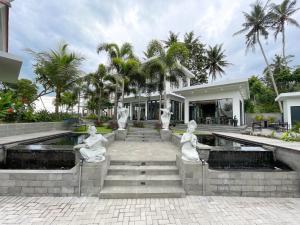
{"x": 186, "y": 111}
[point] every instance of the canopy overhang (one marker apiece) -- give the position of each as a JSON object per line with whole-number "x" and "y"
{"x": 10, "y": 66}
{"x": 240, "y": 85}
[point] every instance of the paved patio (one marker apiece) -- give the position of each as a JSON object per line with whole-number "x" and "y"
{"x": 190, "y": 210}
{"x": 143, "y": 151}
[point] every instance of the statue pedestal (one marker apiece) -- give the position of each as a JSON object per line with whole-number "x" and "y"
{"x": 121, "y": 135}
{"x": 194, "y": 176}
{"x": 92, "y": 177}
{"x": 165, "y": 135}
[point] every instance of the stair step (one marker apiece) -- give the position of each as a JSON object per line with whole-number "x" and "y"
{"x": 136, "y": 170}
{"x": 142, "y": 163}
{"x": 142, "y": 180}
{"x": 142, "y": 192}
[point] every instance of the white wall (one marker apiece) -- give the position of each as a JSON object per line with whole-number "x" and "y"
{"x": 287, "y": 104}
{"x": 235, "y": 95}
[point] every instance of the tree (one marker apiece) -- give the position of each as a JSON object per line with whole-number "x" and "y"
{"x": 69, "y": 99}
{"x": 118, "y": 56}
{"x": 57, "y": 70}
{"x": 25, "y": 90}
{"x": 138, "y": 84}
{"x": 262, "y": 97}
{"x": 196, "y": 61}
{"x": 165, "y": 63}
{"x": 97, "y": 81}
{"x": 173, "y": 38}
{"x": 281, "y": 15}
{"x": 256, "y": 24}
{"x": 286, "y": 78}
{"x": 216, "y": 61}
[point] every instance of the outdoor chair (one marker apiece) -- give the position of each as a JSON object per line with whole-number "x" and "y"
{"x": 256, "y": 125}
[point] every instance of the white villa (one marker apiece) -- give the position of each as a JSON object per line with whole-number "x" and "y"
{"x": 214, "y": 103}
{"x": 10, "y": 64}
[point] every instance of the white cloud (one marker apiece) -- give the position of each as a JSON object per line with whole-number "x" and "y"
{"x": 40, "y": 25}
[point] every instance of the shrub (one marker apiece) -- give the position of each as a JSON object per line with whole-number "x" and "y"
{"x": 91, "y": 117}
{"x": 288, "y": 136}
{"x": 271, "y": 119}
{"x": 296, "y": 128}
{"x": 98, "y": 123}
{"x": 112, "y": 125}
{"x": 259, "y": 117}
{"x": 138, "y": 124}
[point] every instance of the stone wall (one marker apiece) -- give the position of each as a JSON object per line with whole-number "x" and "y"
{"x": 199, "y": 180}
{"x": 253, "y": 184}
{"x": 9, "y": 129}
{"x": 289, "y": 157}
{"x": 39, "y": 182}
{"x": 92, "y": 178}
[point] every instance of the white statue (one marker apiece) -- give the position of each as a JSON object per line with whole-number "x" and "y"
{"x": 189, "y": 143}
{"x": 166, "y": 116}
{"x": 122, "y": 116}
{"x": 92, "y": 149}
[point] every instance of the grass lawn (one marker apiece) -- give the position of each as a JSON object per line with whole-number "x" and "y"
{"x": 181, "y": 132}
{"x": 100, "y": 130}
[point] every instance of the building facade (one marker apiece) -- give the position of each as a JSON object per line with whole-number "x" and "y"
{"x": 291, "y": 107}
{"x": 216, "y": 103}
{"x": 10, "y": 65}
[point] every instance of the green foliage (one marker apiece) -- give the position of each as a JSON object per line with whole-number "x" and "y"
{"x": 196, "y": 61}
{"x": 57, "y": 70}
{"x": 216, "y": 61}
{"x": 259, "y": 117}
{"x": 100, "y": 130}
{"x": 271, "y": 119}
{"x": 262, "y": 97}
{"x": 288, "y": 136}
{"x": 296, "y": 128}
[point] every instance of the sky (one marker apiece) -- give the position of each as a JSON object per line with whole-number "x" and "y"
{"x": 41, "y": 25}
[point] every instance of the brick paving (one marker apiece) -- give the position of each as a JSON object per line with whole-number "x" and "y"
{"x": 190, "y": 210}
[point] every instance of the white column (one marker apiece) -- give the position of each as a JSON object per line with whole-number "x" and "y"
{"x": 186, "y": 110}
{"x": 146, "y": 110}
{"x": 130, "y": 111}
{"x": 236, "y": 109}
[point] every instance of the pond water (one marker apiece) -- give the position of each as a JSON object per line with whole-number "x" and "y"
{"x": 213, "y": 140}
{"x": 51, "y": 153}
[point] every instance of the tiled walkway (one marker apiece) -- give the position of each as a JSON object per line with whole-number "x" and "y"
{"x": 190, "y": 210}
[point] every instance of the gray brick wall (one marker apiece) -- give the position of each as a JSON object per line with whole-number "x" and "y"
{"x": 255, "y": 183}
{"x": 39, "y": 183}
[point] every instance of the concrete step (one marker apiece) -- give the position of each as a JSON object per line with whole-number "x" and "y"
{"x": 143, "y": 139}
{"x": 142, "y": 180}
{"x": 142, "y": 192}
{"x": 146, "y": 170}
{"x": 143, "y": 163}
{"x": 143, "y": 135}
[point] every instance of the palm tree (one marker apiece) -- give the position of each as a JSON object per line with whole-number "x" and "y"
{"x": 97, "y": 81}
{"x": 138, "y": 85}
{"x": 57, "y": 70}
{"x": 118, "y": 57}
{"x": 173, "y": 38}
{"x": 165, "y": 63}
{"x": 281, "y": 15}
{"x": 215, "y": 61}
{"x": 256, "y": 24}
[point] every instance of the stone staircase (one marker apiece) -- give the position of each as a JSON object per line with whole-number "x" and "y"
{"x": 140, "y": 179}
{"x": 143, "y": 135}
